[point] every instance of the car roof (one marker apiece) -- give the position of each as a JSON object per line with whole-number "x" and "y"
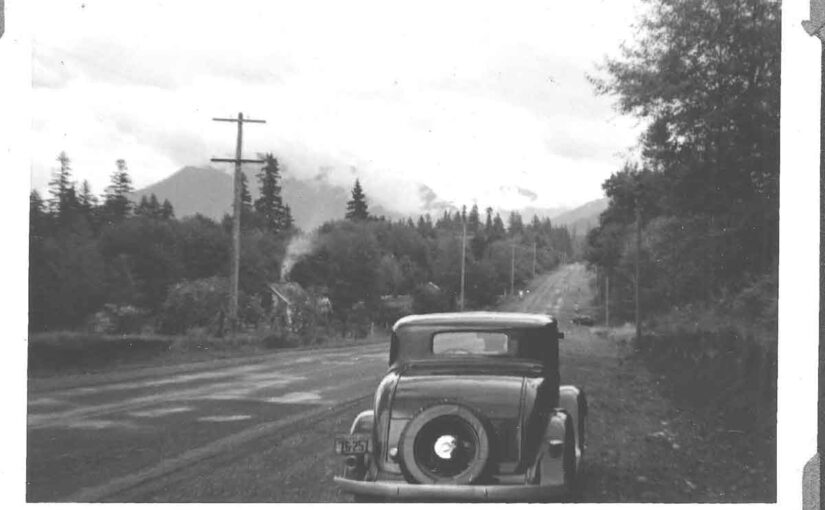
{"x": 476, "y": 320}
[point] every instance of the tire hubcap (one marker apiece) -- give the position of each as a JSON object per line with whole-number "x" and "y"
{"x": 445, "y": 446}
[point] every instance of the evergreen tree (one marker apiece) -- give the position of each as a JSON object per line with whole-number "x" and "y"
{"x": 488, "y": 224}
{"x": 288, "y": 223}
{"x": 154, "y": 206}
{"x": 457, "y": 220}
{"x": 535, "y": 224}
{"x": 473, "y": 220}
{"x": 149, "y": 207}
{"x": 515, "y": 225}
{"x": 498, "y": 231}
{"x": 167, "y": 212}
{"x": 38, "y": 215}
{"x": 270, "y": 204}
{"x": 61, "y": 188}
{"x": 87, "y": 200}
{"x": 357, "y": 207}
{"x": 142, "y": 208}
{"x": 117, "y": 203}
{"x": 425, "y": 225}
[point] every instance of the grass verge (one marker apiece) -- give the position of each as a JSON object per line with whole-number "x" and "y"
{"x": 69, "y": 353}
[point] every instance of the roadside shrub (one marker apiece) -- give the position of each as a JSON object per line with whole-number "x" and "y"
{"x": 202, "y": 304}
{"x": 119, "y": 319}
{"x": 715, "y": 360}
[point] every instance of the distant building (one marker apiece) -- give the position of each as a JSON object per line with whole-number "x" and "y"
{"x": 287, "y": 300}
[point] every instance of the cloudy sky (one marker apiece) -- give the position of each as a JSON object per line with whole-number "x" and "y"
{"x": 475, "y": 100}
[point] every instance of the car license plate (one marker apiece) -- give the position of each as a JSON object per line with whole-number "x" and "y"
{"x": 352, "y": 444}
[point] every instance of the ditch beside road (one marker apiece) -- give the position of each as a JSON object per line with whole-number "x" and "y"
{"x": 262, "y": 431}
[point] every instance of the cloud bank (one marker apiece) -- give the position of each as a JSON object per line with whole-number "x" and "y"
{"x": 479, "y": 102}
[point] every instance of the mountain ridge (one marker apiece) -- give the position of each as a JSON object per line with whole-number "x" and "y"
{"x": 207, "y": 190}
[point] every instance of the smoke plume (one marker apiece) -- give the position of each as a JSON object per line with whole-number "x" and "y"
{"x": 299, "y": 245}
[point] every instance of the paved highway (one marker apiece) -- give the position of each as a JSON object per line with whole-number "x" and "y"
{"x": 90, "y": 441}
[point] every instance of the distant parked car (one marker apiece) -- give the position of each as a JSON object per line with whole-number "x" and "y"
{"x": 470, "y": 409}
{"x": 583, "y": 320}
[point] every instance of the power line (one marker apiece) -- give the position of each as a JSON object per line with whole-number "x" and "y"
{"x": 235, "y": 265}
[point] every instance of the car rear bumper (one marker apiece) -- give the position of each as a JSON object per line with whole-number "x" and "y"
{"x": 404, "y": 491}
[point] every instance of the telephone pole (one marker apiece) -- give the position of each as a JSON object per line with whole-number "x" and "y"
{"x": 607, "y": 300}
{"x": 638, "y": 255}
{"x": 513, "y": 270}
{"x": 236, "y": 217}
{"x": 534, "y": 259}
{"x": 463, "y": 258}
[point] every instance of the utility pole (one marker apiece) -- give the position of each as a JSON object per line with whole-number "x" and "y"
{"x": 235, "y": 266}
{"x": 513, "y": 270}
{"x": 607, "y": 300}
{"x": 534, "y": 259}
{"x": 638, "y": 255}
{"x": 463, "y": 258}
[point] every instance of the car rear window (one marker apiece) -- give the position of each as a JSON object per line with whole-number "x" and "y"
{"x": 485, "y": 343}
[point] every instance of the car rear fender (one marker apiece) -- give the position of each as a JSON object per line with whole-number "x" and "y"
{"x": 549, "y": 469}
{"x": 359, "y": 467}
{"x": 362, "y": 424}
{"x": 573, "y": 400}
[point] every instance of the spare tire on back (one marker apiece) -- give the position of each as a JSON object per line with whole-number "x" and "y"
{"x": 444, "y": 444}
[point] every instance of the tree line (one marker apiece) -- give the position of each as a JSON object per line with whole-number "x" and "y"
{"x": 362, "y": 258}
{"x": 113, "y": 264}
{"x": 89, "y": 253}
{"x": 705, "y": 78}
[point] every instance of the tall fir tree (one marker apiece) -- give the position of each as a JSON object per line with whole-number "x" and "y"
{"x": 87, "y": 199}
{"x": 167, "y": 212}
{"x": 61, "y": 188}
{"x": 288, "y": 223}
{"x": 515, "y": 224}
{"x": 149, "y": 207}
{"x": 498, "y": 231}
{"x": 38, "y": 214}
{"x": 270, "y": 205}
{"x": 473, "y": 220}
{"x": 117, "y": 203}
{"x": 142, "y": 208}
{"x": 357, "y": 209}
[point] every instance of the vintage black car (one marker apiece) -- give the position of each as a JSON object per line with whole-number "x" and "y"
{"x": 470, "y": 409}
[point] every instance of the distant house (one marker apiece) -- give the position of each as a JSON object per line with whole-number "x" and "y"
{"x": 287, "y": 300}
